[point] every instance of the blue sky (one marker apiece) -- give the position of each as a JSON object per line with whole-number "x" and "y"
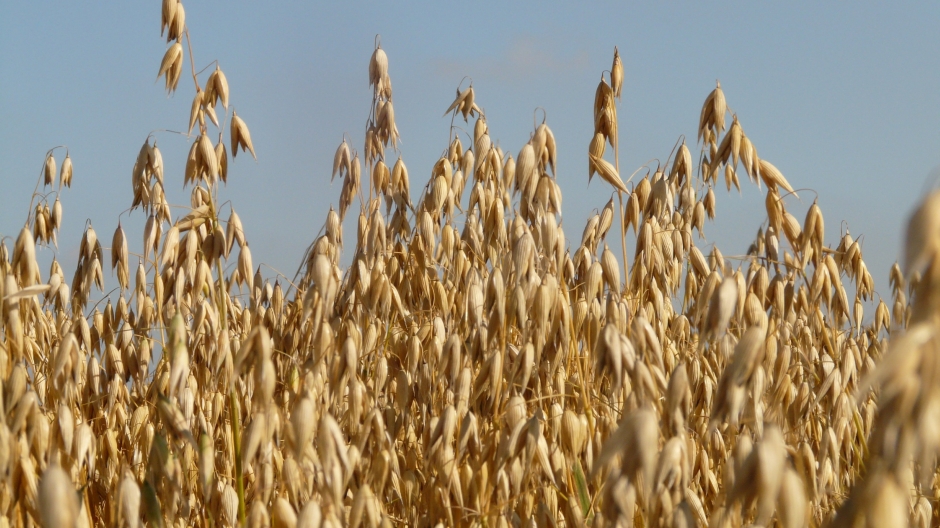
{"x": 843, "y": 98}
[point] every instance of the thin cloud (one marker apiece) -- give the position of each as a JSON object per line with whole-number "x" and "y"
{"x": 526, "y": 57}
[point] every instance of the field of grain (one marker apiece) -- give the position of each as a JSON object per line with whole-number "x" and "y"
{"x": 472, "y": 365}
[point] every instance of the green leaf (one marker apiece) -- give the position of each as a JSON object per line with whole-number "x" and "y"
{"x": 152, "y": 508}
{"x": 580, "y": 485}
{"x": 159, "y": 454}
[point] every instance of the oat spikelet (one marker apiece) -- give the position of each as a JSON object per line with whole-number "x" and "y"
{"x": 616, "y": 74}
{"x": 922, "y": 240}
{"x": 58, "y": 501}
{"x": 65, "y": 173}
{"x": 712, "y": 118}
{"x": 608, "y": 172}
{"x": 217, "y": 88}
{"x": 49, "y": 171}
{"x": 773, "y": 177}
{"x": 172, "y": 66}
{"x": 378, "y": 73}
{"x": 119, "y": 256}
{"x": 167, "y": 14}
{"x": 240, "y": 136}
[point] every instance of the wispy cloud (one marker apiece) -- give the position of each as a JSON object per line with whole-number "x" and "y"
{"x": 527, "y": 57}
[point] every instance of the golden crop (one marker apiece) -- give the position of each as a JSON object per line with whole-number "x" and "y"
{"x": 472, "y": 365}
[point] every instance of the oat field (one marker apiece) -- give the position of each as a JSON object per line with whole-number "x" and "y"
{"x": 473, "y": 364}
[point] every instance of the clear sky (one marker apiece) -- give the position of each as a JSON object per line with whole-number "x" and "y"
{"x": 843, "y": 98}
